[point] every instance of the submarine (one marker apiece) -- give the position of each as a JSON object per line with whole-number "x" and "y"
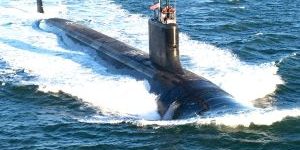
{"x": 182, "y": 94}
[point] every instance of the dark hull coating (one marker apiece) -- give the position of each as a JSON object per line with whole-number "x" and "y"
{"x": 181, "y": 95}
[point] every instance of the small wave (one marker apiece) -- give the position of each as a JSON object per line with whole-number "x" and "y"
{"x": 245, "y": 119}
{"x": 289, "y": 56}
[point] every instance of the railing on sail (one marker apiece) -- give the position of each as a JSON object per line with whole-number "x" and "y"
{"x": 164, "y": 11}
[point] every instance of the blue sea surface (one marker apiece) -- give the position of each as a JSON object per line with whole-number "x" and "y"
{"x": 56, "y": 93}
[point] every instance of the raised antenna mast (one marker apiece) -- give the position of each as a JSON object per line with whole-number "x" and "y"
{"x": 40, "y": 8}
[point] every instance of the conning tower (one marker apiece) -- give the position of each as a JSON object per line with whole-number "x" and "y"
{"x": 163, "y": 36}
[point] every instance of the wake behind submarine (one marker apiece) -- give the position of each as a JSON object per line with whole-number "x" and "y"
{"x": 181, "y": 93}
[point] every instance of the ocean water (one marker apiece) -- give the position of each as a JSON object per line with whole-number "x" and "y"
{"x": 58, "y": 94}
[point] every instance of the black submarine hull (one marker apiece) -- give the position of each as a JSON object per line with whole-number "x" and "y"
{"x": 180, "y": 95}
